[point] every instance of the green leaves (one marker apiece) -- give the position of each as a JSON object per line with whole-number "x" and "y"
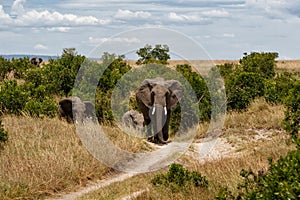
{"x": 177, "y": 179}
{"x": 260, "y": 63}
{"x": 291, "y": 122}
{"x": 158, "y": 54}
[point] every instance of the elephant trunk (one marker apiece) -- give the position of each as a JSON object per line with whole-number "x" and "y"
{"x": 160, "y": 114}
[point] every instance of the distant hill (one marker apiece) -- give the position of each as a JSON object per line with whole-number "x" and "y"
{"x": 44, "y": 57}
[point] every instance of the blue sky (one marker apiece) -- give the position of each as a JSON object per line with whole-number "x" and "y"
{"x": 225, "y": 28}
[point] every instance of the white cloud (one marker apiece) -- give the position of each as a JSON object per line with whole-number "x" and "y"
{"x": 216, "y": 13}
{"x": 18, "y": 7}
{"x": 40, "y": 47}
{"x": 185, "y": 18}
{"x": 59, "y": 29}
{"x": 127, "y": 14}
{"x": 35, "y": 18}
{"x": 96, "y": 41}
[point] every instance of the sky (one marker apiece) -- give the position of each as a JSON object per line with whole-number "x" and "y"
{"x": 224, "y": 29}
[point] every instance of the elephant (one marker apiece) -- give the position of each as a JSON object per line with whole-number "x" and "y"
{"x": 36, "y": 61}
{"x": 69, "y": 106}
{"x": 133, "y": 119}
{"x": 155, "y": 98}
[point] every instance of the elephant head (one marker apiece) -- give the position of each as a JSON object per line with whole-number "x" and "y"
{"x": 36, "y": 61}
{"x": 133, "y": 119}
{"x": 155, "y": 98}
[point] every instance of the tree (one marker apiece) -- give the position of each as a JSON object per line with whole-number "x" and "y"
{"x": 260, "y": 63}
{"x": 159, "y": 54}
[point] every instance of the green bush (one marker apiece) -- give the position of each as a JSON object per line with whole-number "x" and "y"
{"x": 276, "y": 90}
{"x": 114, "y": 68}
{"x": 291, "y": 122}
{"x": 200, "y": 88}
{"x": 46, "y": 107}
{"x": 20, "y": 66}
{"x": 177, "y": 178}
{"x": 281, "y": 181}
{"x": 243, "y": 88}
{"x": 13, "y": 97}
{"x": 260, "y": 63}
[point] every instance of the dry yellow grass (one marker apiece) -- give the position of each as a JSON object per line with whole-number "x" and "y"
{"x": 43, "y": 157}
{"x": 241, "y": 129}
{"x": 220, "y": 173}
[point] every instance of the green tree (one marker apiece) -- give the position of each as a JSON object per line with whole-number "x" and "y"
{"x": 159, "y": 54}
{"x": 260, "y": 63}
{"x": 113, "y": 68}
{"x": 242, "y": 88}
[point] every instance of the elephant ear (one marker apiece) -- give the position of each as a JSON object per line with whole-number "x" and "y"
{"x": 143, "y": 94}
{"x": 176, "y": 92}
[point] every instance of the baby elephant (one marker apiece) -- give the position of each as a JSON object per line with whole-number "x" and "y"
{"x": 133, "y": 119}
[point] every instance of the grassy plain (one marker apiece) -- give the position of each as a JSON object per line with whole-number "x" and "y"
{"x": 45, "y": 157}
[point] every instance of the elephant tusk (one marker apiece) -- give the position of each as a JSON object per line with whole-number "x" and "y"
{"x": 165, "y": 109}
{"x": 153, "y": 111}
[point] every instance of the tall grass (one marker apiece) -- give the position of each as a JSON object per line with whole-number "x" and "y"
{"x": 43, "y": 157}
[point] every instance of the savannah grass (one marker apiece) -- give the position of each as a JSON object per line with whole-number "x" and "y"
{"x": 251, "y": 152}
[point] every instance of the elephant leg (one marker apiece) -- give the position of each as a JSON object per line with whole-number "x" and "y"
{"x": 166, "y": 127}
{"x": 148, "y": 127}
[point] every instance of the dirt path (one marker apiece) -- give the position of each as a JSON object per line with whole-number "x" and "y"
{"x": 218, "y": 149}
{"x": 201, "y": 150}
{"x": 100, "y": 184}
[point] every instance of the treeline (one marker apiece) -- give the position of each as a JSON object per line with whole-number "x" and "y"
{"x": 25, "y": 88}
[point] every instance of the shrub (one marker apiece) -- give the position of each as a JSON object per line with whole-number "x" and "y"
{"x": 281, "y": 181}
{"x": 114, "y": 68}
{"x": 260, "y": 63}
{"x": 177, "y": 178}
{"x": 46, "y": 107}
{"x": 13, "y": 97}
{"x": 20, "y": 66}
{"x": 200, "y": 88}
{"x": 291, "y": 122}
{"x": 276, "y": 90}
{"x": 243, "y": 88}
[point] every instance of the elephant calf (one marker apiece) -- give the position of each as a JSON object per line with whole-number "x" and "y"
{"x": 74, "y": 109}
{"x": 133, "y": 119}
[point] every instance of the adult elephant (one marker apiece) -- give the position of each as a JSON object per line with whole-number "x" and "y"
{"x": 155, "y": 98}
{"x": 36, "y": 61}
{"x": 71, "y": 108}
{"x": 133, "y": 118}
